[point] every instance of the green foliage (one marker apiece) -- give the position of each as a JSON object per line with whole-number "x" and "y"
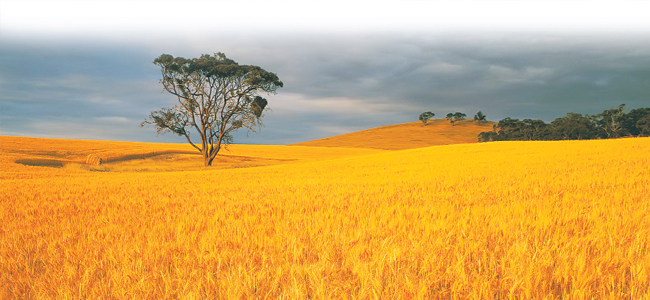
{"x": 450, "y": 117}
{"x": 479, "y": 117}
{"x": 455, "y": 117}
{"x": 426, "y": 116}
{"x": 611, "y": 123}
{"x": 573, "y": 126}
{"x": 166, "y": 119}
{"x": 258, "y": 105}
{"x": 487, "y": 136}
{"x": 630, "y": 121}
{"x": 643, "y": 126}
{"x": 216, "y": 96}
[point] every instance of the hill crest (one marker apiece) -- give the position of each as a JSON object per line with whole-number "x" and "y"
{"x": 406, "y": 135}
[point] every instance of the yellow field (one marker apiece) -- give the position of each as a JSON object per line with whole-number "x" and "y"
{"x": 34, "y": 157}
{"x": 504, "y": 220}
{"x": 407, "y": 135}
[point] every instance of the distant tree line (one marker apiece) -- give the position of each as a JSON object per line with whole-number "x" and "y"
{"x": 611, "y": 123}
{"x": 479, "y": 118}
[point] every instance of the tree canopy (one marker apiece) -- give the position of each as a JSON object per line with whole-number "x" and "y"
{"x": 611, "y": 123}
{"x": 455, "y": 117}
{"x": 216, "y": 96}
{"x": 426, "y": 116}
{"x": 479, "y": 117}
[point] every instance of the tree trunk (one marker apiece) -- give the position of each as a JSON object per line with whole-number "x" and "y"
{"x": 207, "y": 160}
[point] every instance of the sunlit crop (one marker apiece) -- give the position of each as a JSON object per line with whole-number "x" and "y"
{"x": 504, "y": 220}
{"x": 408, "y": 135}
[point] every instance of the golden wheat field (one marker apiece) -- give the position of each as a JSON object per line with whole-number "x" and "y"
{"x": 503, "y": 220}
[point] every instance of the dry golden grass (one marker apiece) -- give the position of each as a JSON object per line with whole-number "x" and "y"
{"x": 25, "y": 157}
{"x": 505, "y": 220}
{"x": 407, "y": 135}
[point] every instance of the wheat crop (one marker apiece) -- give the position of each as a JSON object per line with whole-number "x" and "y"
{"x": 504, "y": 220}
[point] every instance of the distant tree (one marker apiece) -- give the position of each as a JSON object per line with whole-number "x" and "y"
{"x": 508, "y": 129}
{"x": 216, "y": 96}
{"x": 630, "y": 120}
{"x": 487, "y": 136}
{"x": 479, "y": 117}
{"x": 458, "y": 116}
{"x": 573, "y": 126}
{"x": 515, "y": 130}
{"x": 454, "y": 117}
{"x": 643, "y": 125}
{"x": 611, "y": 121}
{"x": 450, "y": 117}
{"x": 497, "y": 133}
{"x": 533, "y": 130}
{"x": 425, "y": 116}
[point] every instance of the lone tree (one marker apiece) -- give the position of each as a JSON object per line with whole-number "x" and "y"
{"x": 426, "y": 116}
{"x": 216, "y": 96}
{"x": 479, "y": 117}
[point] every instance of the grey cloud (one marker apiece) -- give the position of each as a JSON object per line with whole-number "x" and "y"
{"x": 333, "y": 84}
{"x": 65, "y": 89}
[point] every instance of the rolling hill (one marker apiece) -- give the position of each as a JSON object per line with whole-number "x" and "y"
{"x": 407, "y": 136}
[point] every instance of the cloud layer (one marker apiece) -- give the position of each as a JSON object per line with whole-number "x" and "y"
{"x": 69, "y": 83}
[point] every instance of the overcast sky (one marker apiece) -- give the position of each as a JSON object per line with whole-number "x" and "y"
{"x": 83, "y": 69}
